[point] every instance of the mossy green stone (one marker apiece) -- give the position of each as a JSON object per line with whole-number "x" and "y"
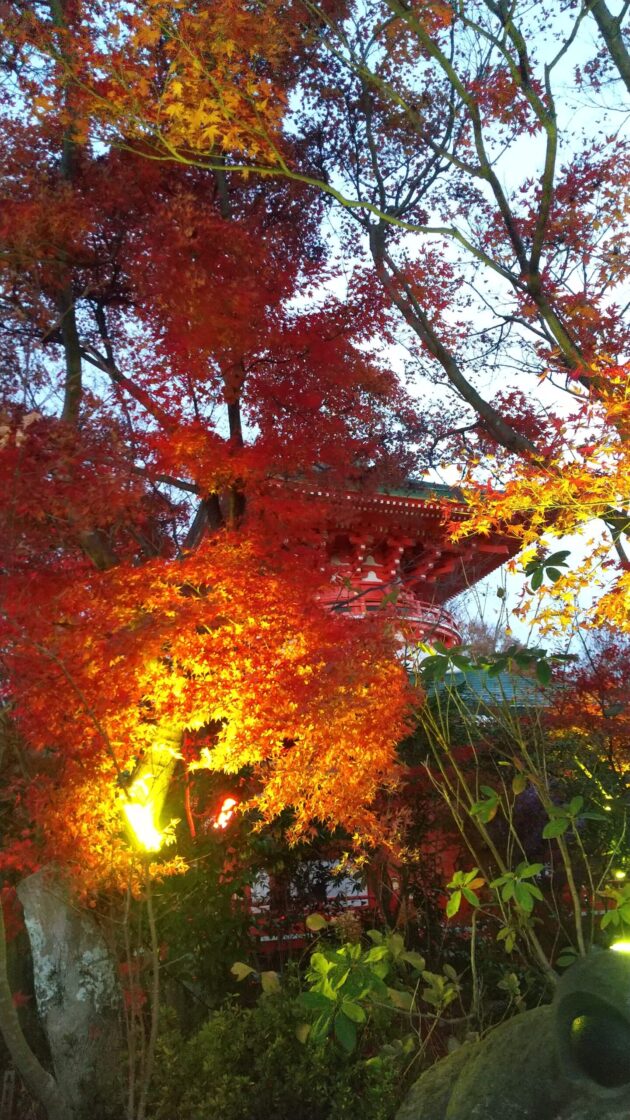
{"x": 569, "y": 1060}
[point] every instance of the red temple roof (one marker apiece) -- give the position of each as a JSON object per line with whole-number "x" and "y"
{"x": 408, "y": 534}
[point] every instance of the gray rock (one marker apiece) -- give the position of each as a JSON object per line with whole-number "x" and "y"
{"x": 569, "y": 1060}
{"x": 78, "y": 997}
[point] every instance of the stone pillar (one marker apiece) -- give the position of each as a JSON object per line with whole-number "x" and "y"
{"x": 78, "y": 997}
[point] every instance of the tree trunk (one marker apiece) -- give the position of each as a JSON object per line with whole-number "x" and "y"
{"x": 611, "y": 32}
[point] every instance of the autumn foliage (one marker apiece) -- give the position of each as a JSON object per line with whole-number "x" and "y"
{"x": 184, "y": 357}
{"x": 168, "y": 397}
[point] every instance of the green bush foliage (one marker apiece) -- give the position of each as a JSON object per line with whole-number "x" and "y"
{"x": 249, "y": 1064}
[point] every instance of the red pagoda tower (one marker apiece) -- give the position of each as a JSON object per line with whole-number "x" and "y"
{"x": 396, "y": 545}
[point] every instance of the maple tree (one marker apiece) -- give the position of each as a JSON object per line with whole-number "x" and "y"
{"x": 450, "y": 122}
{"x": 170, "y": 400}
{"x": 167, "y": 404}
{"x": 592, "y": 705}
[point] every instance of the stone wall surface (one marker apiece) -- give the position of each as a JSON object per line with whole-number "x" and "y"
{"x": 78, "y": 997}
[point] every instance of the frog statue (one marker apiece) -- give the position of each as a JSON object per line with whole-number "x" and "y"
{"x": 569, "y": 1060}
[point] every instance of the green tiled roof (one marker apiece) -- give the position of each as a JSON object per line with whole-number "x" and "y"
{"x": 414, "y": 488}
{"x": 476, "y": 688}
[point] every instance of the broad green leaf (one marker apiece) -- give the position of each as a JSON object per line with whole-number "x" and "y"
{"x": 558, "y": 558}
{"x": 453, "y": 904}
{"x": 523, "y": 897}
{"x": 241, "y": 970}
{"x": 402, "y": 1000}
{"x": 380, "y": 969}
{"x": 414, "y": 959}
{"x": 432, "y": 997}
{"x": 434, "y": 979}
{"x": 470, "y": 896}
{"x": 486, "y": 810}
{"x": 357, "y": 984}
{"x": 320, "y": 963}
{"x": 374, "y": 935}
{"x": 543, "y": 672}
{"x": 270, "y": 982}
{"x": 435, "y": 668}
{"x": 353, "y": 1010}
{"x": 321, "y": 1027}
{"x": 507, "y": 892}
{"x": 345, "y": 1032}
{"x": 395, "y": 944}
{"x": 314, "y": 1001}
{"x": 508, "y": 936}
{"x": 378, "y": 989}
{"x": 302, "y": 1031}
{"x": 338, "y": 976}
{"x": 490, "y": 812}
{"x": 315, "y": 922}
{"x": 378, "y": 953}
{"x": 555, "y": 827}
{"x": 529, "y": 870}
{"x": 537, "y": 578}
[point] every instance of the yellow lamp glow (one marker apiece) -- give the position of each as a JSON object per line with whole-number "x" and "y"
{"x": 621, "y": 946}
{"x": 142, "y": 824}
{"x": 143, "y": 802}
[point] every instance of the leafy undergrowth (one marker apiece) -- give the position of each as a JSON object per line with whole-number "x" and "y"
{"x": 249, "y": 1064}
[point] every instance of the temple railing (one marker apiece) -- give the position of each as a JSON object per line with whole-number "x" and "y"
{"x": 419, "y": 621}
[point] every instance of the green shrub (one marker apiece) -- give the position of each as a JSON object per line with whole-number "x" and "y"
{"x": 248, "y": 1064}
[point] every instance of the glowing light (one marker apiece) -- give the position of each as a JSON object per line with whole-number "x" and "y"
{"x": 226, "y": 812}
{"x": 144, "y": 800}
{"x": 141, "y": 786}
{"x": 621, "y": 946}
{"x": 619, "y": 874}
{"x": 142, "y": 824}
